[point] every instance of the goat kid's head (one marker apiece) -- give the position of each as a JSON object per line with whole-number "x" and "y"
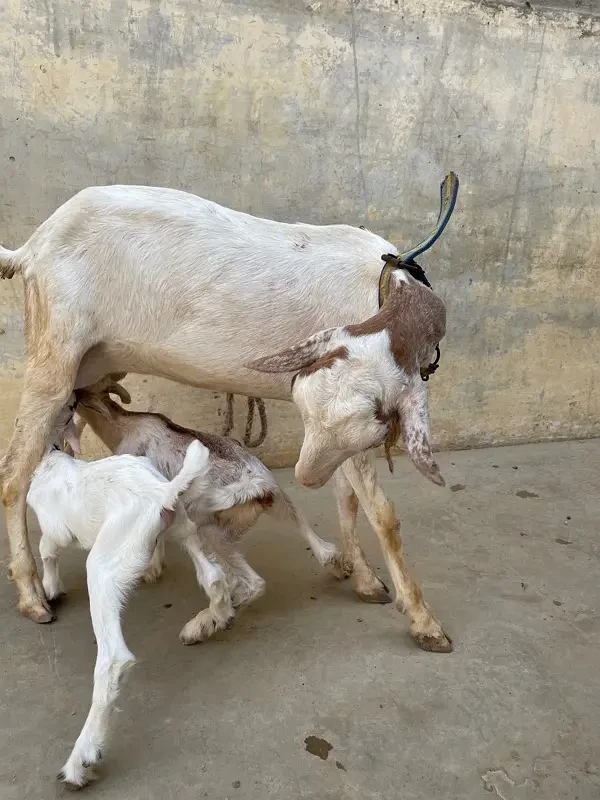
{"x": 64, "y": 431}
{"x": 360, "y": 387}
{"x": 96, "y": 397}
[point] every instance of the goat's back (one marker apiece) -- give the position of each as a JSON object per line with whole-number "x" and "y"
{"x": 235, "y": 475}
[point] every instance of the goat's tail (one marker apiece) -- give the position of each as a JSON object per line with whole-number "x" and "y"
{"x": 9, "y": 263}
{"x": 196, "y": 465}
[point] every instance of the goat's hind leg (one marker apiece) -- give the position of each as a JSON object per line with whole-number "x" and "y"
{"x": 247, "y": 585}
{"x": 54, "y": 537}
{"x": 157, "y": 563}
{"x": 327, "y": 554}
{"x": 220, "y": 613}
{"x": 116, "y": 562}
{"x": 51, "y": 368}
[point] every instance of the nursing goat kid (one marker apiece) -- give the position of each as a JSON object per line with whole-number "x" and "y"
{"x": 116, "y": 508}
{"x": 157, "y": 281}
{"x": 238, "y": 489}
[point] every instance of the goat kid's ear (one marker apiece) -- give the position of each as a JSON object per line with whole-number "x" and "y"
{"x": 120, "y": 391}
{"x": 296, "y": 357}
{"x": 72, "y": 437}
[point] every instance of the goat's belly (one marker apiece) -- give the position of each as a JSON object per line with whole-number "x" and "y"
{"x": 199, "y": 368}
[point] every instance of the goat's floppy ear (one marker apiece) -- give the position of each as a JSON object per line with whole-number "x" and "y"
{"x": 298, "y": 356}
{"x": 414, "y": 419}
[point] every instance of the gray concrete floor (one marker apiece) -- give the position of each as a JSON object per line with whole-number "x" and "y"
{"x": 515, "y": 710}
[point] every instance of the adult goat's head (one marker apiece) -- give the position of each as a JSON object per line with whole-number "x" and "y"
{"x": 360, "y": 386}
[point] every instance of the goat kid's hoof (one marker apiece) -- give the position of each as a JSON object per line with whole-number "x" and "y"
{"x": 194, "y": 632}
{"x": 78, "y": 774}
{"x": 433, "y": 643}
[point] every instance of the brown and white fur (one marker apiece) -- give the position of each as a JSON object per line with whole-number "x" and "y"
{"x": 237, "y": 490}
{"x": 157, "y": 281}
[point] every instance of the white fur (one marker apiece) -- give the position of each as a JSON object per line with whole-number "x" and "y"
{"x": 237, "y": 483}
{"x": 156, "y": 281}
{"x": 112, "y": 508}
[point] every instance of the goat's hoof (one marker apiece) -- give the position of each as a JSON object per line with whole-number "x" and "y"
{"x": 434, "y": 644}
{"x": 38, "y": 613}
{"x": 379, "y": 593}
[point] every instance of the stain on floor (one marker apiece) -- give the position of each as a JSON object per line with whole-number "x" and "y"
{"x": 318, "y": 747}
{"x": 524, "y": 493}
{"x": 458, "y": 487}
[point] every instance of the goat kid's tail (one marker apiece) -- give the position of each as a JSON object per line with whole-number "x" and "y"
{"x": 9, "y": 263}
{"x": 196, "y": 465}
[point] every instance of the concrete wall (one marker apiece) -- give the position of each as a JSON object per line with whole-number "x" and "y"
{"x": 327, "y": 112}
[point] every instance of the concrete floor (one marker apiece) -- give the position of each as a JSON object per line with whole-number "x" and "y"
{"x": 514, "y": 711}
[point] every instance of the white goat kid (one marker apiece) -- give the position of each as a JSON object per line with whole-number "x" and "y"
{"x": 240, "y": 488}
{"x": 117, "y": 508}
{"x": 156, "y": 281}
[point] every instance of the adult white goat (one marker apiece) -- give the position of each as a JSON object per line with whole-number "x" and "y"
{"x": 157, "y": 281}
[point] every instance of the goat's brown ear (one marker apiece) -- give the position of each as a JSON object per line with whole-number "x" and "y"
{"x": 414, "y": 420}
{"x": 297, "y": 357}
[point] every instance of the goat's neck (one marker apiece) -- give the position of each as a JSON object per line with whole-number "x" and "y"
{"x": 111, "y": 431}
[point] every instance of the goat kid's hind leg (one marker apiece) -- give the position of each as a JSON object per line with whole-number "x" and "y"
{"x": 220, "y": 614}
{"x": 327, "y": 553}
{"x": 425, "y": 629}
{"x": 368, "y": 586}
{"x": 157, "y": 563}
{"x": 50, "y": 375}
{"x": 50, "y": 545}
{"x": 120, "y": 554}
{"x": 247, "y": 585}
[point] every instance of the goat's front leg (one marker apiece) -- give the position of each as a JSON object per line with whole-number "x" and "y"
{"x": 47, "y": 388}
{"x": 425, "y": 629}
{"x": 368, "y": 586}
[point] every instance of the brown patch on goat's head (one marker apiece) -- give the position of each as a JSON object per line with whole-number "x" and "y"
{"x": 325, "y": 362}
{"x": 415, "y": 319}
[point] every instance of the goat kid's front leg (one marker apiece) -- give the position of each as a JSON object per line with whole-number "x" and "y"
{"x": 425, "y": 629}
{"x": 368, "y": 586}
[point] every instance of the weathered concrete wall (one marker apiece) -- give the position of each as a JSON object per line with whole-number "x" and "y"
{"x": 332, "y": 111}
